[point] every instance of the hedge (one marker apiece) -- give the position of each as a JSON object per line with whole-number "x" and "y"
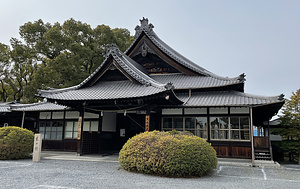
{"x": 15, "y": 143}
{"x": 175, "y": 154}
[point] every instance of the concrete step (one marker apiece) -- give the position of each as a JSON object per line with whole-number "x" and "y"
{"x": 262, "y": 155}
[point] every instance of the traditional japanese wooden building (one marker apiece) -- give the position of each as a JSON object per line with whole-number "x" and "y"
{"x": 148, "y": 87}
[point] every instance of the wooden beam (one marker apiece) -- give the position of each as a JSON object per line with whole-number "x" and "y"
{"x": 80, "y": 131}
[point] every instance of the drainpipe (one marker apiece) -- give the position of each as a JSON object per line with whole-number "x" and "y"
{"x": 23, "y": 119}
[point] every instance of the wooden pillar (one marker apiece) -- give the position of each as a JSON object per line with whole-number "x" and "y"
{"x": 208, "y": 125}
{"x": 80, "y": 131}
{"x": 23, "y": 120}
{"x": 251, "y": 135}
{"x": 271, "y": 149}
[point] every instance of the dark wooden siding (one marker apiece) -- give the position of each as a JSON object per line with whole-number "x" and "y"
{"x": 232, "y": 149}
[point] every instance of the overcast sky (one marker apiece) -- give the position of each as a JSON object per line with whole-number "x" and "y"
{"x": 259, "y": 38}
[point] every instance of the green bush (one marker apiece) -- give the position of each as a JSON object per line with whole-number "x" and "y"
{"x": 175, "y": 154}
{"x": 15, "y": 143}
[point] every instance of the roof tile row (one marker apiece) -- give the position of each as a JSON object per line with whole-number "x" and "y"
{"x": 226, "y": 98}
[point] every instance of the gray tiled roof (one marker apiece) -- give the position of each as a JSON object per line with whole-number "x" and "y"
{"x": 106, "y": 90}
{"x": 127, "y": 64}
{"x": 4, "y": 108}
{"x": 181, "y": 81}
{"x": 148, "y": 30}
{"x": 130, "y": 66}
{"x": 43, "y": 106}
{"x": 227, "y": 98}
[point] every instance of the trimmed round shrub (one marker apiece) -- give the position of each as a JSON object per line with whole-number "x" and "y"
{"x": 173, "y": 154}
{"x": 15, "y": 143}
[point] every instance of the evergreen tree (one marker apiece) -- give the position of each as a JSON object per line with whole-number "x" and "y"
{"x": 290, "y": 122}
{"x": 54, "y": 56}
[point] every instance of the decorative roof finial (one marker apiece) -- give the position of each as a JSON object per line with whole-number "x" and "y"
{"x": 242, "y": 77}
{"x": 111, "y": 48}
{"x": 169, "y": 86}
{"x": 147, "y": 28}
{"x": 281, "y": 97}
{"x": 144, "y": 22}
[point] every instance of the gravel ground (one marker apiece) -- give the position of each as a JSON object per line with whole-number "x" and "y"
{"x": 66, "y": 174}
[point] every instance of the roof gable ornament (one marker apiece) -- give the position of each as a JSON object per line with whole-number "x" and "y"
{"x": 112, "y": 67}
{"x": 281, "y": 97}
{"x": 169, "y": 86}
{"x": 145, "y": 49}
{"x": 111, "y": 48}
{"x": 147, "y": 28}
{"x": 241, "y": 77}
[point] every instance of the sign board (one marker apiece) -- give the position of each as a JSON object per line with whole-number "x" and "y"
{"x": 147, "y": 122}
{"x": 37, "y": 148}
{"x": 122, "y": 132}
{"x": 79, "y": 128}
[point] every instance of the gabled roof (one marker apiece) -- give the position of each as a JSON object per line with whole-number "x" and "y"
{"x": 139, "y": 84}
{"x": 122, "y": 62}
{"x": 146, "y": 29}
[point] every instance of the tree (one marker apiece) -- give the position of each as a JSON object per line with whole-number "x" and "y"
{"x": 290, "y": 121}
{"x": 4, "y": 58}
{"x": 55, "y": 56}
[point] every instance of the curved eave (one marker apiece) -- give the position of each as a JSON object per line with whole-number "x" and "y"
{"x": 266, "y": 112}
{"x": 43, "y": 93}
{"x": 43, "y": 106}
{"x": 183, "y": 82}
{"x": 214, "y": 88}
{"x": 106, "y": 90}
{"x": 166, "y": 97}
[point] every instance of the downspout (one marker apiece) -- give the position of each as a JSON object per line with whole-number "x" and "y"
{"x": 251, "y": 133}
{"x": 23, "y": 119}
{"x": 190, "y": 95}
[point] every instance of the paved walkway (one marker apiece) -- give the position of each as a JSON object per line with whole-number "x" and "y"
{"x": 58, "y": 155}
{"x": 62, "y": 174}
